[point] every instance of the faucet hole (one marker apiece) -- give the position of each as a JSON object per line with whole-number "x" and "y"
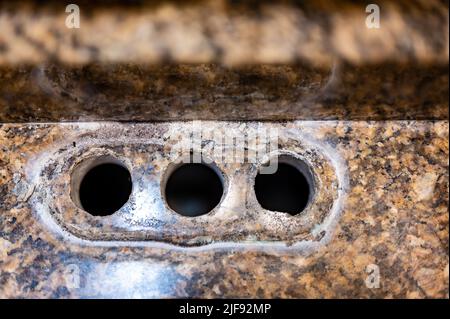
{"x": 289, "y": 189}
{"x": 101, "y": 186}
{"x": 194, "y": 189}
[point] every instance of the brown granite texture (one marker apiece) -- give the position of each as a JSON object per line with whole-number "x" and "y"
{"x": 381, "y": 187}
{"x": 394, "y": 215}
{"x": 134, "y": 92}
{"x": 223, "y": 60}
{"x": 224, "y": 32}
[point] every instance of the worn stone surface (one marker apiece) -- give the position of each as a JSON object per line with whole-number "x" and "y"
{"x": 151, "y": 151}
{"x": 395, "y": 216}
{"x": 226, "y": 60}
{"x": 225, "y": 32}
{"x": 223, "y": 60}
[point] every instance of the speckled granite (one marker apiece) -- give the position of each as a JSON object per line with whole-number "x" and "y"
{"x": 395, "y": 215}
{"x": 381, "y": 188}
{"x": 223, "y": 60}
{"x": 133, "y": 92}
{"x": 225, "y": 32}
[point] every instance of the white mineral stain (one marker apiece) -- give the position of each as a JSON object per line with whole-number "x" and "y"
{"x": 43, "y": 212}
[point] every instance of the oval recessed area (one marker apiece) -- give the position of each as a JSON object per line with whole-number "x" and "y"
{"x": 101, "y": 186}
{"x": 289, "y": 189}
{"x": 193, "y": 189}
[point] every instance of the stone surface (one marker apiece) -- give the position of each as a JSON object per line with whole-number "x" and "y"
{"x": 223, "y": 60}
{"x": 224, "y": 32}
{"x": 394, "y": 216}
{"x": 380, "y": 159}
{"x": 133, "y": 92}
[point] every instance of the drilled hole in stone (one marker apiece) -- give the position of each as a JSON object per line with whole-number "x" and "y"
{"x": 101, "y": 186}
{"x": 288, "y": 190}
{"x": 193, "y": 189}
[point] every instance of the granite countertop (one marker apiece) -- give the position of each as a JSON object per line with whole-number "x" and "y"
{"x": 224, "y": 32}
{"x": 223, "y": 60}
{"x": 394, "y": 215}
{"x": 52, "y": 92}
{"x": 366, "y": 108}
